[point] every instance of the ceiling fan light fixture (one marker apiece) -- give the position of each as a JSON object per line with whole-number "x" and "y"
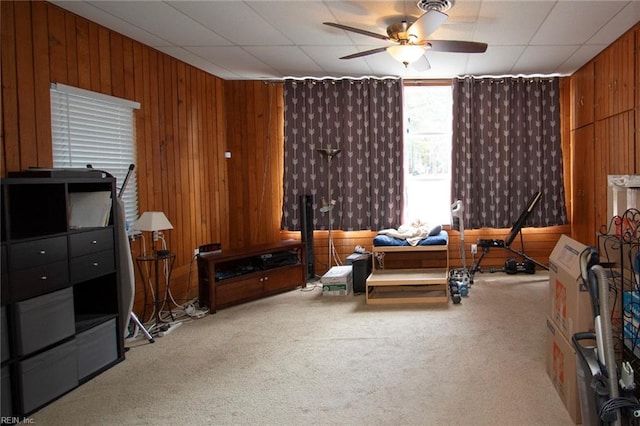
{"x": 406, "y": 53}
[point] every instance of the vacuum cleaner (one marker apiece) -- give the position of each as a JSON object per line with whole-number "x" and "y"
{"x": 459, "y": 279}
{"x": 607, "y": 395}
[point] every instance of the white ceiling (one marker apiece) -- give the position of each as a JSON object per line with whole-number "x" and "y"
{"x": 263, "y": 39}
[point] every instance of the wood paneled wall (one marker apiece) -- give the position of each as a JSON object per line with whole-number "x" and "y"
{"x": 255, "y": 135}
{"x": 188, "y": 120}
{"x": 538, "y": 244}
{"x": 180, "y": 128}
{"x": 605, "y": 100}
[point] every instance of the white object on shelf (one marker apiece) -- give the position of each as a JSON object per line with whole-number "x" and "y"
{"x": 623, "y": 193}
{"x": 89, "y": 209}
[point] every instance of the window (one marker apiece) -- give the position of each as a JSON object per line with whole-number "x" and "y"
{"x": 96, "y": 129}
{"x": 427, "y": 153}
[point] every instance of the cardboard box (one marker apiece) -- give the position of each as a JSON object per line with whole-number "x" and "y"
{"x": 338, "y": 281}
{"x": 561, "y": 369}
{"x": 571, "y": 308}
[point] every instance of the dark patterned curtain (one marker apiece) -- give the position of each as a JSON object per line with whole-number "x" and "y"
{"x": 361, "y": 118}
{"x": 506, "y": 146}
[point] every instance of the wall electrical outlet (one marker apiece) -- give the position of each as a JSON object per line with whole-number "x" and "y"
{"x": 474, "y": 248}
{"x": 196, "y": 252}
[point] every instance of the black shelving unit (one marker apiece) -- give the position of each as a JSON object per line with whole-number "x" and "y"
{"x": 60, "y": 288}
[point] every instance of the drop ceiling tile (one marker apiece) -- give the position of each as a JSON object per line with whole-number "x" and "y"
{"x": 301, "y": 21}
{"x": 292, "y": 59}
{"x": 90, "y": 11}
{"x": 554, "y": 30}
{"x": 197, "y": 61}
{"x": 233, "y": 20}
{"x": 238, "y": 60}
{"x": 511, "y": 22}
{"x": 580, "y": 57}
{"x": 497, "y": 60}
{"x": 328, "y": 57}
{"x": 623, "y": 21}
{"x": 555, "y": 56}
{"x": 161, "y": 19}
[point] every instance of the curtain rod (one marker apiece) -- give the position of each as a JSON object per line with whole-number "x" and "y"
{"x": 331, "y": 78}
{"x": 530, "y": 76}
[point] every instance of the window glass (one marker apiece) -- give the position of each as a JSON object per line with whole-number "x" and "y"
{"x": 427, "y": 154}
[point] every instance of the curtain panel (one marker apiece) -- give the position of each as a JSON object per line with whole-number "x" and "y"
{"x": 361, "y": 187}
{"x": 506, "y": 146}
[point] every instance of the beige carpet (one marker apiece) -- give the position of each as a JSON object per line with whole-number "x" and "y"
{"x": 300, "y": 358}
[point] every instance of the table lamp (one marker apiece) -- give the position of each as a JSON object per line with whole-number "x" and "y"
{"x": 153, "y": 222}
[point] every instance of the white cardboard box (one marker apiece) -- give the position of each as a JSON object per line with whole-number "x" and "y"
{"x": 338, "y": 281}
{"x": 570, "y": 303}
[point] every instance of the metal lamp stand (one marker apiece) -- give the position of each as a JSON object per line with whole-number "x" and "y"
{"x": 330, "y": 153}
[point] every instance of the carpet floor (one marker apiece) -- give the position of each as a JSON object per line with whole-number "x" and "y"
{"x": 301, "y": 358}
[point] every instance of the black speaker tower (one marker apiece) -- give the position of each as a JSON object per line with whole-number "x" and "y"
{"x": 306, "y": 229}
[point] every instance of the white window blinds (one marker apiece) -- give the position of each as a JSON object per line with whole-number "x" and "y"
{"x": 92, "y": 128}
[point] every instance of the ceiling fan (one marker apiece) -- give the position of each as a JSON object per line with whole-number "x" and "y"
{"x": 411, "y": 38}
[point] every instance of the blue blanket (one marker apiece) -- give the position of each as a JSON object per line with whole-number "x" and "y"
{"x": 440, "y": 239}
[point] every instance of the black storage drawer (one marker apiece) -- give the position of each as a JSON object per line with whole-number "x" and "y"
{"x": 26, "y": 283}
{"x": 37, "y": 252}
{"x": 44, "y": 320}
{"x": 4, "y": 276}
{"x": 48, "y": 375}
{"x": 5, "y": 393}
{"x": 97, "y": 348}
{"x": 83, "y": 243}
{"x": 92, "y": 266}
{"x": 4, "y": 344}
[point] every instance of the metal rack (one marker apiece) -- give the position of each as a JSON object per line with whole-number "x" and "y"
{"x": 619, "y": 247}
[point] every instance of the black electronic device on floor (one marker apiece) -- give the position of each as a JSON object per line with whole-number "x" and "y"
{"x": 361, "y": 269}
{"x": 306, "y": 233}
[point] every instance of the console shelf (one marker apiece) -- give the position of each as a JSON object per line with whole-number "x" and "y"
{"x": 236, "y": 276}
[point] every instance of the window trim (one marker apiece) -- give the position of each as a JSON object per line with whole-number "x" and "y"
{"x": 94, "y": 95}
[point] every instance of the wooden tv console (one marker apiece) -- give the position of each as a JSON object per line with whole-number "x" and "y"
{"x": 230, "y": 277}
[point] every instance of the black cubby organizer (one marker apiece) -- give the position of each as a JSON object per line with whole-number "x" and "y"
{"x": 60, "y": 289}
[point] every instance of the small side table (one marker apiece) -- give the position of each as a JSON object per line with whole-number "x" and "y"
{"x": 157, "y": 259}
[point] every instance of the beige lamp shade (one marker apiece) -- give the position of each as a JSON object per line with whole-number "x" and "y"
{"x": 152, "y": 221}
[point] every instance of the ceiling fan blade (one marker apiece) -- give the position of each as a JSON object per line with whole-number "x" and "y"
{"x": 456, "y": 46}
{"x": 421, "y": 64}
{"x": 365, "y": 53}
{"x": 357, "y": 30}
{"x": 427, "y": 23}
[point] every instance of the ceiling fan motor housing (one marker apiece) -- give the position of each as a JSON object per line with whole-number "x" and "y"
{"x": 439, "y": 5}
{"x": 398, "y": 32}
